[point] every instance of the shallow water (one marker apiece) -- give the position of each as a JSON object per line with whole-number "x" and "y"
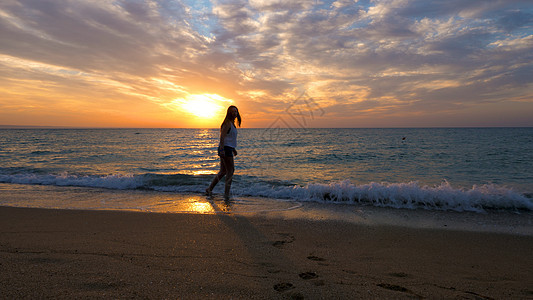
{"x": 460, "y": 169}
{"x": 83, "y": 198}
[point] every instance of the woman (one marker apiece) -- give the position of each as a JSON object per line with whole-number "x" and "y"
{"x": 226, "y": 150}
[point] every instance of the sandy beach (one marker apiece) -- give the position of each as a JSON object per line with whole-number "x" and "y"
{"x": 49, "y": 253}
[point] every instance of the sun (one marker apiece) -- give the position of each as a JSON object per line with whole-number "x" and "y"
{"x": 205, "y": 106}
{"x": 201, "y": 107}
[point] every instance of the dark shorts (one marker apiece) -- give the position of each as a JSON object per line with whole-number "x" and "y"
{"x": 228, "y": 151}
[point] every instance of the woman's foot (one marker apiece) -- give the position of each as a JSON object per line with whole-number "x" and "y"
{"x": 208, "y": 192}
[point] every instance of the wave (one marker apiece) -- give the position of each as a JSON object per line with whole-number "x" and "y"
{"x": 410, "y": 195}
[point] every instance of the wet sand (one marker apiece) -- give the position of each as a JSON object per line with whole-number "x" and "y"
{"x": 47, "y": 253}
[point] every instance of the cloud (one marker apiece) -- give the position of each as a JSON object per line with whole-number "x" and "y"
{"x": 377, "y": 58}
{"x": 515, "y": 19}
{"x": 450, "y": 39}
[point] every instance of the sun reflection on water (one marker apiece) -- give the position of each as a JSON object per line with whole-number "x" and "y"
{"x": 203, "y": 172}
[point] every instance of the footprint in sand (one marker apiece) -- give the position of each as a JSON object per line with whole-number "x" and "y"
{"x": 283, "y": 286}
{"x": 315, "y": 258}
{"x": 399, "y": 274}
{"x": 279, "y": 244}
{"x": 393, "y": 287}
{"x": 308, "y": 275}
{"x": 287, "y": 238}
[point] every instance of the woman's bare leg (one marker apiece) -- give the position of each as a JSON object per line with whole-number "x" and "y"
{"x": 217, "y": 178}
{"x": 230, "y": 169}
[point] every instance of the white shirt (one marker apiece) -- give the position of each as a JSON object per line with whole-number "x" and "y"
{"x": 231, "y": 138}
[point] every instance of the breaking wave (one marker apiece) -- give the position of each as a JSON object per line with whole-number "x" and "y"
{"x": 409, "y": 195}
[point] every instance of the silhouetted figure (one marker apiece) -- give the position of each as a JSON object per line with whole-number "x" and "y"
{"x": 226, "y": 150}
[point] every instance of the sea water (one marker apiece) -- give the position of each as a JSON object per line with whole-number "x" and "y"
{"x": 459, "y": 169}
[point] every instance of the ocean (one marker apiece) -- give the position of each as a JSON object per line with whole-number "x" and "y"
{"x": 440, "y": 169}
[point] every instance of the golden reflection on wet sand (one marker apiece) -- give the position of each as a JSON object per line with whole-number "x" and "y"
{"x": 201, "y": 207}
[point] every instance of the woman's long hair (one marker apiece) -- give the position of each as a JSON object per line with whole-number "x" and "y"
{"x": 229, "y": 119}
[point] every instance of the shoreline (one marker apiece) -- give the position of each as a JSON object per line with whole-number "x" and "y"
{"x": 51, "y": 253}
{"x": 100, "y": 199}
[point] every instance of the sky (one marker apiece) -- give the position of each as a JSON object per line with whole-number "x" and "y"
{"x": 313, "y": 63}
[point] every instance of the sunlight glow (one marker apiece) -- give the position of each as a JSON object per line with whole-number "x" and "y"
{"x": 205, "y": 106}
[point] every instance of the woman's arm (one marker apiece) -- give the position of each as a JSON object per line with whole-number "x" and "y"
{"x": 223, "y": 133}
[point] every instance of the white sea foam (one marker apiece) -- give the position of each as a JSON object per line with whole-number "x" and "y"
{"x": 404, "y": 195}
{"x": 110, "y": 181}
{"x": 411, "y": 195}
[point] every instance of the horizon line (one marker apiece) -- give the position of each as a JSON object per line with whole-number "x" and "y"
{"x": 384, "y": 127}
